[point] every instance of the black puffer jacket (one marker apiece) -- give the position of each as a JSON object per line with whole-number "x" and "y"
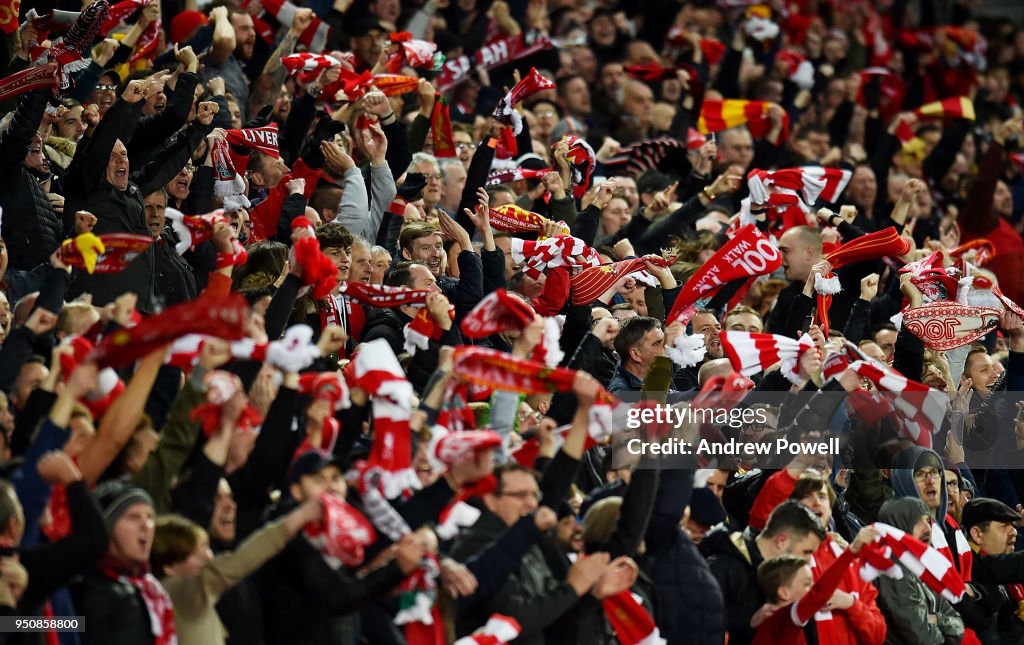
{"x": 733, "y": 559}
{"x": 121, "y": 211}
{"x": 688, "y": 601}
{"x": 116, "y": 612}
{"x": 31, "y": 228}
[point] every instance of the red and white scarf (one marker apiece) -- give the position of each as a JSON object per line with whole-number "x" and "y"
{"x": 420, "y": 54}
{"x": 307, "y": 67}
{"x": 422, "y": 329}
{"x": 590, "y": 283}
{"x": 154, "y": 596}
{"x": 262, "y": 139}
{"x": 509, "y": 176}
{"x": 748, "y": 254}
{"x": 37, "y": 77}
{"x": 505, "y": 111}
{"x": 499, "y": 312}
{"x": 752, "y": 353}
{"x": 318, "y": 270}
{"x": 935, "y": 570}
{"x": 376, "y": 370}
{"x": 492, "y": 55}
{"x": 632, "y": 623}
{"x": 917, "y": 408}
{"x": 145, "y": 46}
{"x": 330, "y": 388}
{"x": 513, "y": 219}
{"x": 69, "y": 53}
{"x": 944, "y": 324}
{"x": 221, "y": 318}
{"x": 559, "y": 251}
{"x": 498, "y": 631}
{"x": 809, "y": 183}
{"x": 873, "y": 246}
{"x": 343, "y": 535}
{"x": 228, "y": 183}
{"x": 382, "y": 296}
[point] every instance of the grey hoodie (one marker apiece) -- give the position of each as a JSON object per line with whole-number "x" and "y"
{"x": 914, "y": 458}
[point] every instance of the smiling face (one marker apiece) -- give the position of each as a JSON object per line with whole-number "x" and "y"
{"x": 71, "y": 126}
{"x": 117, "y": 167}
{"x": 341, "y": 260}
{"x": 429, "y": 250}
{"x": 131, "y": 538}
{"x": 104, "y": 94}
{"x": 615, "y": 215}
{"x": 980, "y": 368}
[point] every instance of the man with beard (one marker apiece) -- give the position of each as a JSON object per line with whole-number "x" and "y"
{"x": 734, "y": 557}
{"x": 920, "y": 474}
{"x": 234, "y": 39}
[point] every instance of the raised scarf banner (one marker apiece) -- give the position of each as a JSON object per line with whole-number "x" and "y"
{"x": 590, "y": 283}
{"x": 421, "y": 54}
{"x": 307, "y": 67}
{"x": 314, "y": 37}
{"x": 263, "y": 139}
{"x": 752, "y": 353}
{"x": 748, "y": 254}
{"x": 343, "y": 535}
{"x": 441, "y": 134}
{"x": 221, "y": 318}
{"x": 716, "y": 116}
{"x": 495, "y": 369}
{"x": 107, "y": 253}
{"x": 37, "y": 77}
{"x": 927, "y": 563}
{"x": 561, "y": 250}
{"x": 496, "y": 53}
{"x": 509, "y": 176}
{"x": 917, "y": 408}
{"x": 505, "y": 111}
{"x": 383, "y": 296}
{"x": 943, "y": 325}
{"x": 513, "y": 219}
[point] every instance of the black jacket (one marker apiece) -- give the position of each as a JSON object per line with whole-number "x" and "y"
{"x": 115, "y": 612}
{"x": 174, "y": 280}
{"x": 389, "y": 324}
{"x": 303, "y": 597}
{"x": 689, "y": 607}
{"x": 31, "y": 228}
{"x": 122, "y": 211}
{"x": 733, "y": 559}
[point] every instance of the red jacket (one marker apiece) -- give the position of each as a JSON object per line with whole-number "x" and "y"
{"x": 265, "y": 215}
{"x": 775, "y": 491}
{"x": 861, "y": 624}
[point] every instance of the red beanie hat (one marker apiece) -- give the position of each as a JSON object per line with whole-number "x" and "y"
{"x": 185, "y": 23}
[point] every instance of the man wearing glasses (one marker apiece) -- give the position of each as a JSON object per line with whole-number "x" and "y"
{"x": 919, "y": 472}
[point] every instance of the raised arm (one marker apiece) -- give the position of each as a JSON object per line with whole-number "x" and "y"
{"x": 121, "y": 419}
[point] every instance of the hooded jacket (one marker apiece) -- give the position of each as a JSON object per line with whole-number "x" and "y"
{"x": 907, "y": 603}
{"x": 979, "y": 611}
{"x": 733, "y": 559}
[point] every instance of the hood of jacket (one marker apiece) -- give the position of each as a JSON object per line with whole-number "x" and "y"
{"x": 903, "y": 513}
{"x": 902, "y": 476}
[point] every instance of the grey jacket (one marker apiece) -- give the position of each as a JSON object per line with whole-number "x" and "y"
{"x": 362, "y": 215}
{"x": 907, "y": 605}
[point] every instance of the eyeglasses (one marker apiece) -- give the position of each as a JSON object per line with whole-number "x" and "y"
{"x": 925, "y": 475}
{"x": 463, "y": 146}
{"x": 523, "y": 494}
{"x": 546, "y": 114}
{"x": 437, "y": 175}
{"x": 106, "y": 88}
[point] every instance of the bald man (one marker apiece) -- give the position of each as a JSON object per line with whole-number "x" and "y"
{"x": 801, "y": 249}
